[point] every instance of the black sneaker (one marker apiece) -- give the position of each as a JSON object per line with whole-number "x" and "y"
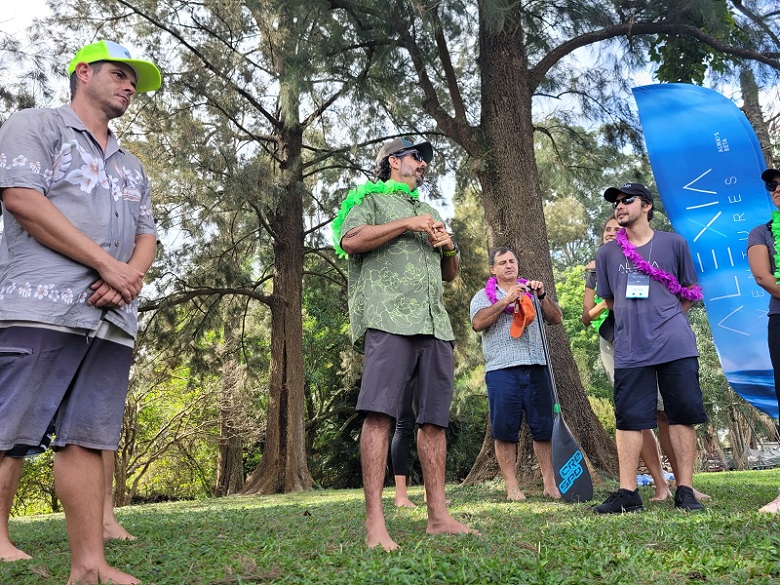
{"x": 621, "y": 501}
{"x": 685, "y": 500}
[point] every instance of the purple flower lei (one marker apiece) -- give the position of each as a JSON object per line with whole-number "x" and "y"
{"x": 668, "y": 280}
{"x": 490, "y": 292}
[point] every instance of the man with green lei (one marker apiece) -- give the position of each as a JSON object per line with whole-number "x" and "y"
{"x": 399, "y": 254}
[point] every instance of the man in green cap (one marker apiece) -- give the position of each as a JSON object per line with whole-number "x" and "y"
{"x": 78, "y": 238}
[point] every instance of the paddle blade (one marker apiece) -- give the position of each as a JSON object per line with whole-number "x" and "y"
{"x": 571, "y": 473}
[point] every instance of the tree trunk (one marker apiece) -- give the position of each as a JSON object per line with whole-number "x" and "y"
{"x": 512, "y": 199}
{"x": 122, "y": 496}
{"x": 283, "y": 467}
{"x": 738, "y": 437}
{"x": 752, "y": 110}
{"x": 230, "y": 468}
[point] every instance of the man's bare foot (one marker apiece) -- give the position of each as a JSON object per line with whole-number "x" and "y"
{"x": 404, "y": 502}
{"x": 102, "y": 576}
{"x": 700, "y": 496}
{"x": 772, "y": 507}
{"x": 377, "y": 535}
{"x": 448, "y": 525}
{"x": 515, "y": 495}
{"x": 553, "y": 493}
{"x": 661, "y": 493}
{"x": 115, "y": 531}
{"x": 9, "y": 553}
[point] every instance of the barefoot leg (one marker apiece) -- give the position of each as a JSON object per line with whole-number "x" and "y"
{"x": 432, "y": 447}
{"x": 401, "y": 495}
{"x": 10, "y": 472}
{"x": 506, "y": 454}
{"x": 543, "y": 450}
{"x": 373, "y": 457}
{"x": 78, "y": 476}
{"x": 653, "y": 463}
{"x": 112, "y": 529}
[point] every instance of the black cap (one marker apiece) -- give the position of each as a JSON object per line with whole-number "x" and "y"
{"x": 769, "y": 175}
{"x": 637, "y": 189}
{"x": 399, "y": 144}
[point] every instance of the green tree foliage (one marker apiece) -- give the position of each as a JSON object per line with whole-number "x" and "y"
{"x": 684, "y": 59}
{"x": 584, "y": 340}
{"x": 567, "y": 230}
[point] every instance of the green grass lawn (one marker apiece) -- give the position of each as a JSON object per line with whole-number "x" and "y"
{"x": 317, "y": 537}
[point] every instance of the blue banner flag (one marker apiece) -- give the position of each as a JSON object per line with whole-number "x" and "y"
{"x": 707, "y": 164}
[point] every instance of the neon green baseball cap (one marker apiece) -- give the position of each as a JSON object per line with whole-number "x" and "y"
{"x": 147, "y": 75}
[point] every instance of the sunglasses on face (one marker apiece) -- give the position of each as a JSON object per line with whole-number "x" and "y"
{"x": 772, "y": 185}
{"x": 624, "y": 201}
{"x": 413, "y": 153}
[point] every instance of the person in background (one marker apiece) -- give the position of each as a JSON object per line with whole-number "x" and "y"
{"x": 400, "y": 447}
{"x": 596, "y": 313}
{"x": 762, "y": 258}
{"x": 515, "y": 366}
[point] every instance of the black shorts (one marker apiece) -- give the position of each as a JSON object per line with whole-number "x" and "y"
{"x": 636, "y": 395}
{"x": 392, "y": 361}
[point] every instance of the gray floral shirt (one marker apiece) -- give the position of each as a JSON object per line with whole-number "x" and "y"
{"x": 396, "y": 288}
{"x": 105, "y": 195}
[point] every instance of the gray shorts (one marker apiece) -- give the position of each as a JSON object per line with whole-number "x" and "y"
{"x": 392, "y": 361}
{"x": 79, "y": 383}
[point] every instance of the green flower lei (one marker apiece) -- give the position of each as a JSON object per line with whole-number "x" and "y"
{"x": 355, "y": 197}
{"x": 776, "y": 234}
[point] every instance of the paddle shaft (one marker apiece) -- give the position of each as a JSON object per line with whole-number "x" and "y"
{"x": 550, "y": 373}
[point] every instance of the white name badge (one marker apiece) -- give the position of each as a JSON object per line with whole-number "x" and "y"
{"x": 638, "y": 285}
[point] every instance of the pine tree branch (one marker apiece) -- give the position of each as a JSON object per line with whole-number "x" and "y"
{"x": 758, "y": 21}
{"x": 207, "y": 64}
{"x": 629, "y": 29}
{"x": 449, "y": 70}
{"x": 179, "y": 298}
{"x": 452, "y": 126}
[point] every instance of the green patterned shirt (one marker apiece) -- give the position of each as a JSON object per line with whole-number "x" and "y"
{"x": 396, "y": 288}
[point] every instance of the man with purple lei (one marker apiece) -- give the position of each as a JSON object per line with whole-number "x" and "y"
{"x": 648, "y": 280}
{"x": 515, "y": 366}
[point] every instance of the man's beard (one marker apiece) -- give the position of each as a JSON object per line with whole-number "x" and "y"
{"x": 407, "y": 172}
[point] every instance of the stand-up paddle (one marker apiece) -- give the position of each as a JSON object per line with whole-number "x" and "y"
{"x": 571, "y": 473}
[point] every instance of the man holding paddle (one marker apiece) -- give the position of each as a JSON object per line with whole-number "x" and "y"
{"x": 647, "y": 279}
{"x": 515, "y": 366}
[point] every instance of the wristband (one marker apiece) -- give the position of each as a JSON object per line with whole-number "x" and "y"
{"x": 541, "y": 296}
{"x": 450, "y": 253}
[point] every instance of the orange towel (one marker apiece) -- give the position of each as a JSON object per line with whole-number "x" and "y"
{"x": 524, "y": 315}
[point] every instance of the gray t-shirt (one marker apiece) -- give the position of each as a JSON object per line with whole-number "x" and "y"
{"x": 501, "y": 349}
{"x": 761, "y": 235}
{"x": 654, "y": 330}
{"x": 104, "y": 195}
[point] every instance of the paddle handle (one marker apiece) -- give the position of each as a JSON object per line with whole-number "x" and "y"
{"x": 546, "y": 347}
